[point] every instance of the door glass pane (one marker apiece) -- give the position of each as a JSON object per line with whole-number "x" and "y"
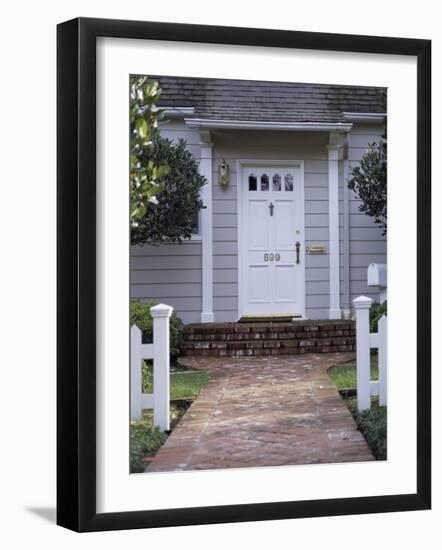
{"x": 253, "y": 184}
{"x": 264, "y": 182}
{"x": 288, "y": 180}
{"x": 276, "y": 182}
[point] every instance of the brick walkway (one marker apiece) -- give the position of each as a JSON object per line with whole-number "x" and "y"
{"x": 264, "y": 412}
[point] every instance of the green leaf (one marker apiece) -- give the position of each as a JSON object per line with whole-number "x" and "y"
{"x": 142, "y": 128}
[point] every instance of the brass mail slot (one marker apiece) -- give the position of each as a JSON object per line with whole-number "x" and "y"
{"x": 316, "y": 249}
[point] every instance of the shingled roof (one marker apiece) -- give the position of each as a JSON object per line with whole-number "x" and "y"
{"x": 269, "y": 101}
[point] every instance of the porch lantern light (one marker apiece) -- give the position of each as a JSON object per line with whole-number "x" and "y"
{"x": 224, "y": 175}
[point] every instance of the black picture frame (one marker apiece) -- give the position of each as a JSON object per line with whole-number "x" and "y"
{"x": 76, "y": 272}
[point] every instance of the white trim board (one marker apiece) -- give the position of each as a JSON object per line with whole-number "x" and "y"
{"x": 206, "y": 229}
{"x": 335, "y": 148}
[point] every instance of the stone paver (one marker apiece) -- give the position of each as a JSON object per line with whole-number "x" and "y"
{"x": 264, "y": 411}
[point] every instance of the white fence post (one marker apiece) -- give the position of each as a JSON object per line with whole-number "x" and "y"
{"x": 362, "y": 308}
{"x": 382, "y": 360}
{"x": 136, "y": 389}
{"x": 161, "y": 365}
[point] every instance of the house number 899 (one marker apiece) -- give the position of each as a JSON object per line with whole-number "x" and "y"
{"x": 271, "y": 257}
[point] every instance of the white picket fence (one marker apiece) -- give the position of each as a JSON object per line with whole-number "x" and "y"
{"x": 364, "y": 342}
{"x": 159, "y": 351}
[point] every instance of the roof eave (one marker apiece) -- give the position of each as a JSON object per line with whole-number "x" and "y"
{"x": 268, "y": 125}
{"x": 364, "y": 117}
{"x": 178, "y": 112}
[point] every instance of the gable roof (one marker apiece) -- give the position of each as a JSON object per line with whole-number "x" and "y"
{"x": 269, "y": 101}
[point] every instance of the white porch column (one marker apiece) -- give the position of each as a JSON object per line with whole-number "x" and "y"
{"x": 207, "y": 228}
{"x": 346, "y": 238}
{"x": 334, "y": 150}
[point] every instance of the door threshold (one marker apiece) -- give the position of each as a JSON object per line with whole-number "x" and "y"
{"x": 278, "y": 318}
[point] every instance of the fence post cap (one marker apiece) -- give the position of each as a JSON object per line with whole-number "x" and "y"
{"x": 362, "y": 302}
{"x": 161, "y": 310}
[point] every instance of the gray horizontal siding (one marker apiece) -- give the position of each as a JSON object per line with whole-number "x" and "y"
{"x": 225, "y": 276}
{"x": 372, "y": 233}
{"x": 317, "y": 207}
{"x": 222, "y": 248}
{"x": 313, "y": 234}
{"x": 358, "y": 274}
{"x": 316, "y": 273}
{"x": 317, "y": 301}
{"x": 368, "y": 247}
{"x": 225, "y": 234}
{"x": 316, "y": 193}
{"x": 224, "y": 262}
{"x": 367, "y": 244}
{"x": 365, "y": 259}
{"x": 317, "y": 288}
{"x": 182, "y": 306}
{"x": 187, "y": 248}
{"x": 314, "y": 179}
{"x": 356, "y": 153}
{"x": 225, "y": 220}
{"x": 158, "y": 276}
{"x": 224, "y": 206}
{"x": 317, "y": 312}
{"x": 165, "y": 262}
{"x": 171, "y": 273}
{"x": 361, "y": 220}
{"x": 160, "y": 291}
{"x": 362, "y": 140}
{"x": 226, "y": 303}
{"x": 225, "y": 289}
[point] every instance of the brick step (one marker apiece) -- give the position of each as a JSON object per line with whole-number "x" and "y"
{"x": 256, "y": 339}
{"x": 266, "y": 347}
{"x": 267, "y": 336}
{"x": 244, "y": 328}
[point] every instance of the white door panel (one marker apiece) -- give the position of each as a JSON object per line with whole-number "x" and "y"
{"x": 285, "y": 236}
{"x": 285, "y": 285}
{"x": 258, "y": 235}
{"x": 272, "y": 221}
{"x": 259, "y": 288}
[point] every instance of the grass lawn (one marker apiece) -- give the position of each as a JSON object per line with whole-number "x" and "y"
{"x": 187, "y": 385}
{"x": 344, "y": 376}
{"x": 372, "y": 423}
{"x": 146, "y": 440}
{"x": 183, "y": 384}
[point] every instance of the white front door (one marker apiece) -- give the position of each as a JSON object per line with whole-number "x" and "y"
{"x": 272, "y": 240}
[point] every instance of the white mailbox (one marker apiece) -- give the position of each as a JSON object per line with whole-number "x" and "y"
{"x": 377, "y": 276}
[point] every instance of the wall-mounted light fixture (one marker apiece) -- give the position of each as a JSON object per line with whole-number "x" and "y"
{"x": 224, "y": 176}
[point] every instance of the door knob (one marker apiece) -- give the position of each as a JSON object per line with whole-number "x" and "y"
{"x": 298, "y": 248}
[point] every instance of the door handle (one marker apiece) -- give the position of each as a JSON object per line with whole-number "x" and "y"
{"x": 298, "y": 248}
